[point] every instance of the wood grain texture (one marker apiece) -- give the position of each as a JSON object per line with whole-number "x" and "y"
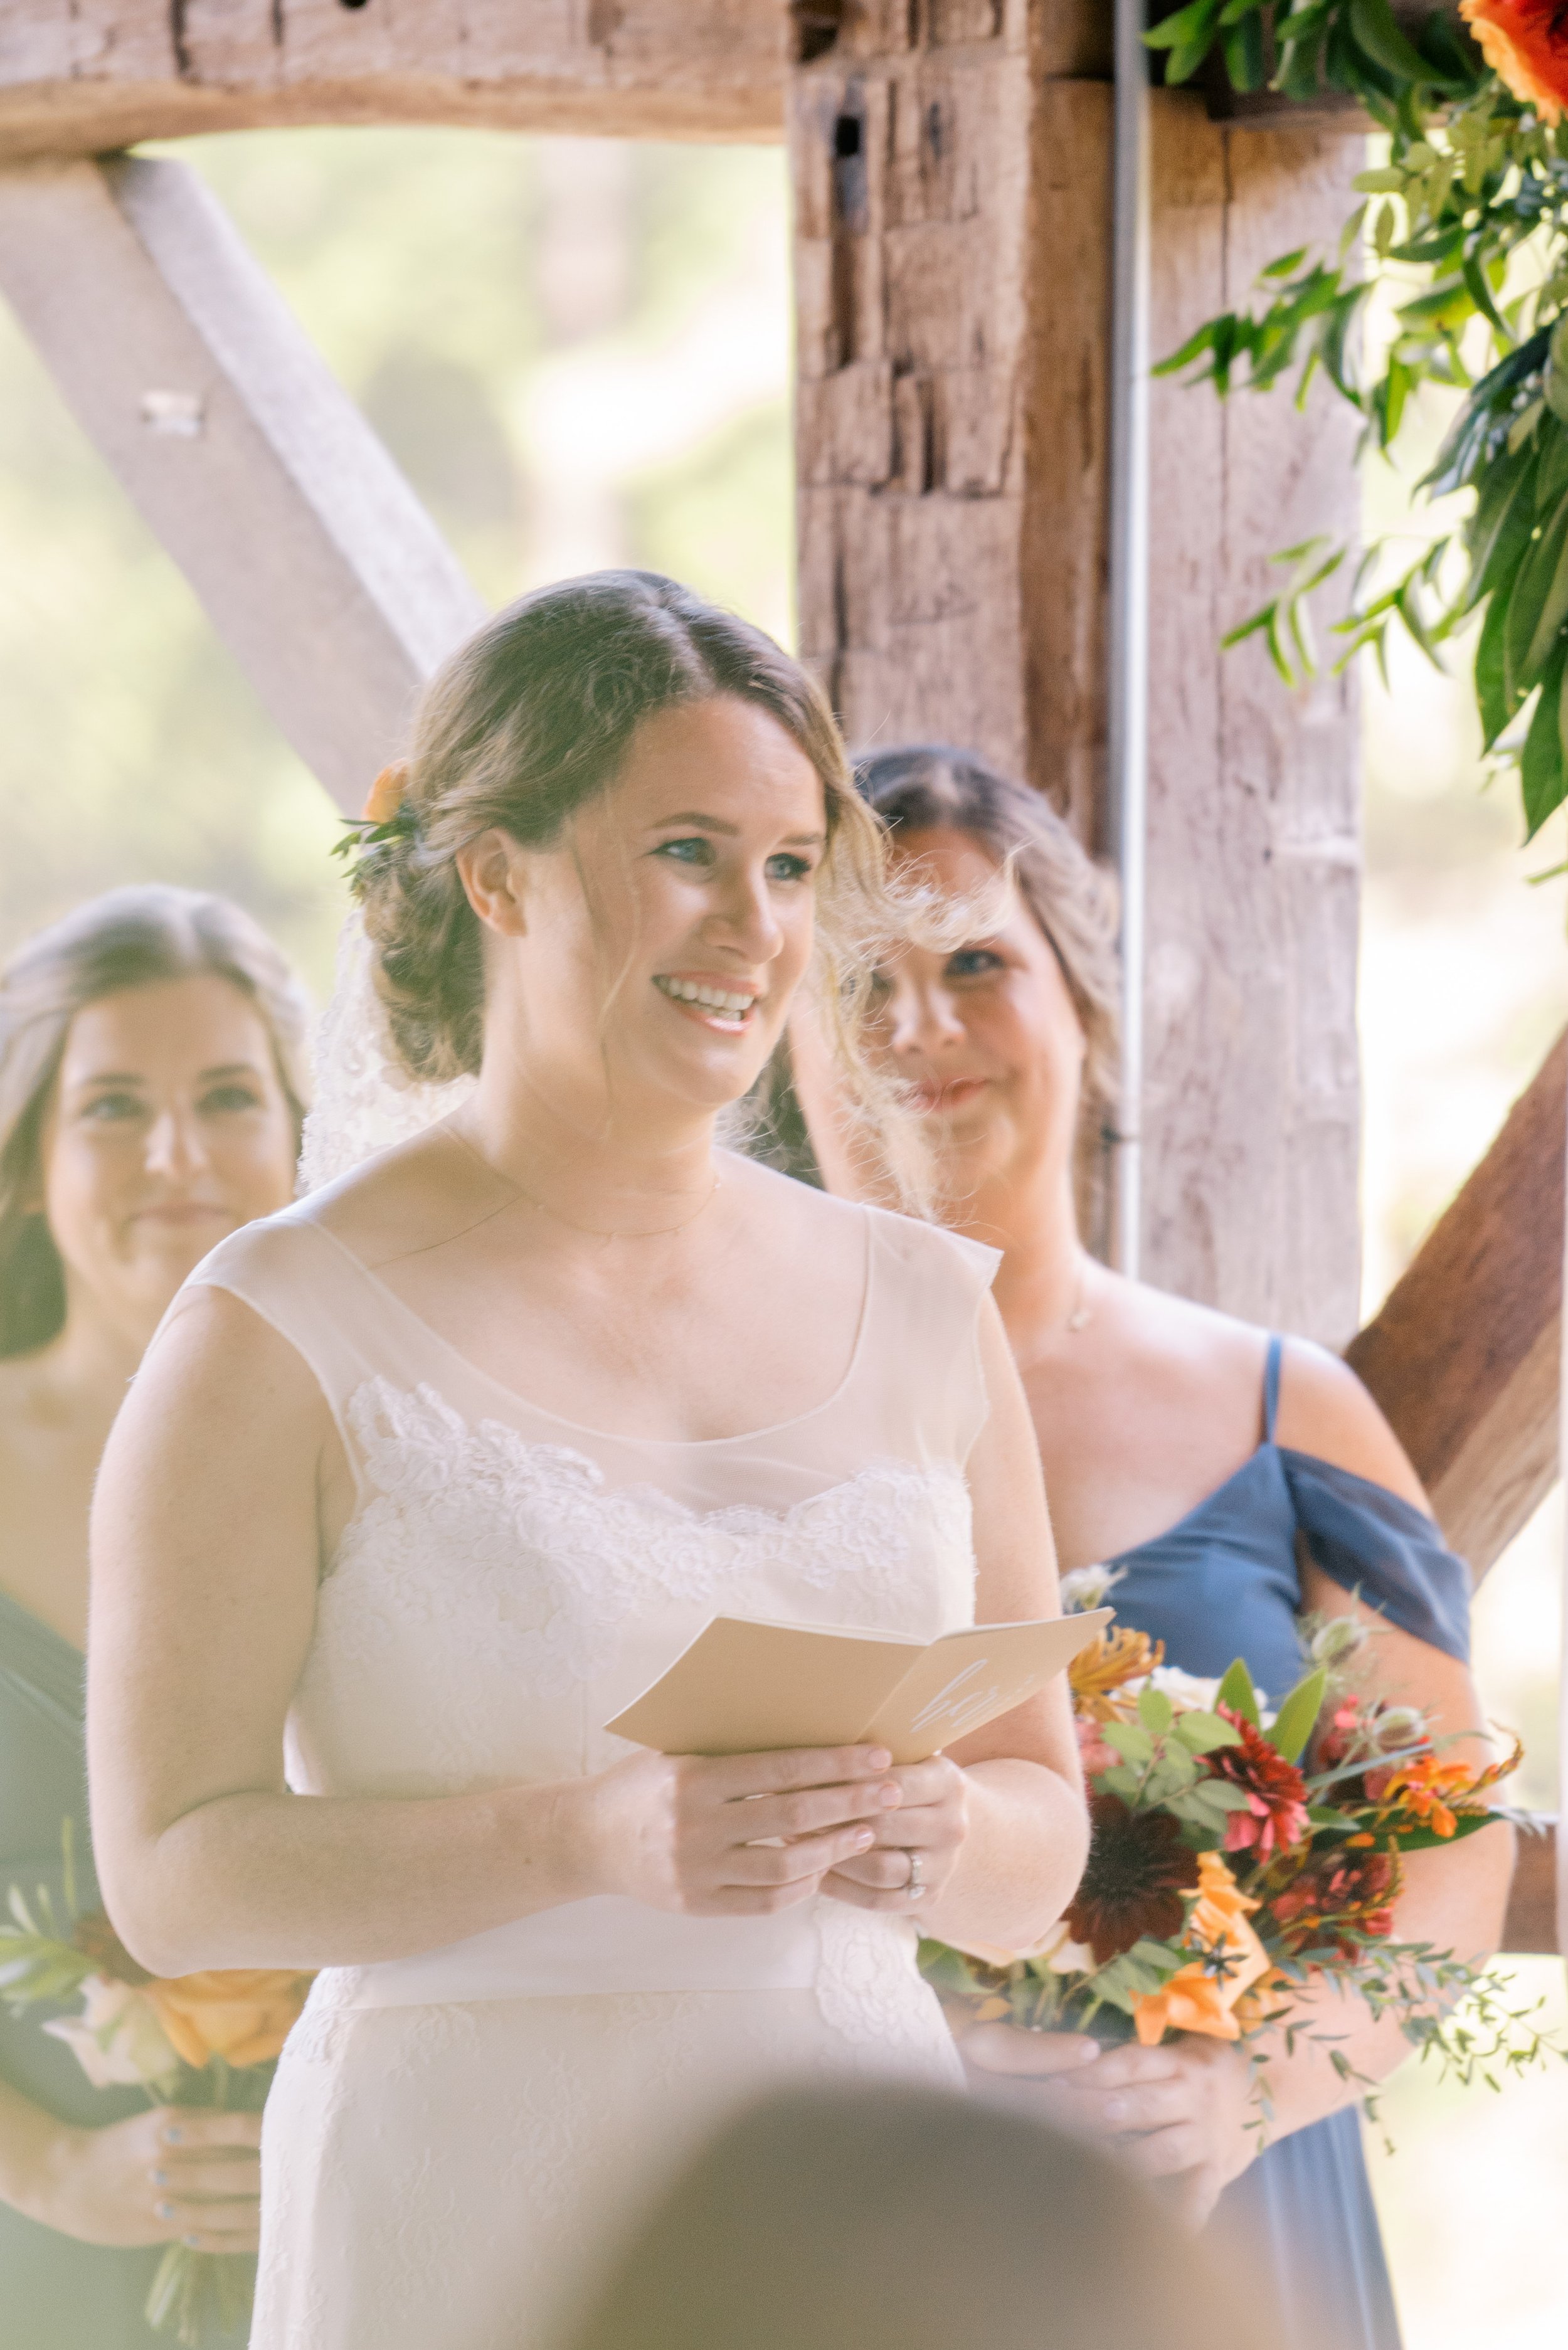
{"x": 953, "y": 224}
{"x": 82, "y": 76}
{"x": 1251, "y": 1108}
{"x": 315, "y": 560}
{"x": 1465, "y": 1355}
{"x": 953, "y": 208}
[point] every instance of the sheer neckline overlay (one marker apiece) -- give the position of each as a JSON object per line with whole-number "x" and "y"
{"x": 518, "y": 1402}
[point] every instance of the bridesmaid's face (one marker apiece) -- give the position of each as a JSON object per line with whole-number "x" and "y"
{"x": 653, "y": 952}
{"x": 167, "y": 1127}
{"x": 985, "y": 1034}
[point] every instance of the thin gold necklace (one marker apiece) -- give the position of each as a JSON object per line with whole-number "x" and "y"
{"x": 593, "y": 1232}
{"x": 590, "y": 1232}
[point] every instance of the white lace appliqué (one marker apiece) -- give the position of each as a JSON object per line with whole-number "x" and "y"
{"x": 569, "y": 1559}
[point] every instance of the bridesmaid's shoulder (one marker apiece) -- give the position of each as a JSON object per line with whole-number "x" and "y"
{"x": 1324, "y": 1409}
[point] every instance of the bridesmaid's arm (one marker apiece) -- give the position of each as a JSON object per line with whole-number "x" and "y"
{"x": 1185, "y": 2109}
{"x": 1002, "y": 1815}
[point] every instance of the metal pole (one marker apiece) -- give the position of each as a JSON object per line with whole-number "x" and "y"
{"x": 1129, "y": 776}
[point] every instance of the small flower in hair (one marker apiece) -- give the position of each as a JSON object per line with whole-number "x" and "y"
{"x": 386, "y": 795}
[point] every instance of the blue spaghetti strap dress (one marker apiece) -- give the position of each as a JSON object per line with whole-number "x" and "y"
{"x": 1223, "y": 1583}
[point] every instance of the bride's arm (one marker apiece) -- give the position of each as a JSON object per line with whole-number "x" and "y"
{"x": 1006, "y": 1830}
{"x": 205, "y": 1542}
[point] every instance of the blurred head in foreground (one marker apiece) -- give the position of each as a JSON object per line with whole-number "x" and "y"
{"x": 151, "y": 1083}
{"x": 906, "y": 2219}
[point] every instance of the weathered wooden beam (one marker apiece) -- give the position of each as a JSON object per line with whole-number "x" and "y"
{"x": 952, "y": 186}
{"x": 952, "y": 212}
{"x": 81, "y": 76}
{"x": 315, "y": 561}
{"x": 1252, "y": 1110}
{"x": 1465, "y": 1354}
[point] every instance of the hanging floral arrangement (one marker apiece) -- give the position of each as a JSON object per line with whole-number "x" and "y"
{"x": 1465, "y": 229}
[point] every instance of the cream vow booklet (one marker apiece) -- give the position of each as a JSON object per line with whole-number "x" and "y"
{"x": 745, "y": 1687}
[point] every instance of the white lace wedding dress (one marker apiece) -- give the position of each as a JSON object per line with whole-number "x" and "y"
{"x": 450, "y": 2135}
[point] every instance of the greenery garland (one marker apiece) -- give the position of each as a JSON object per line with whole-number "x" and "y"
{"x": 1467, "y": 226}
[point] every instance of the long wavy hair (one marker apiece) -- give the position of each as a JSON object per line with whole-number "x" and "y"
{"x": 128, "y": 938}
{"x": 930, "y": 786}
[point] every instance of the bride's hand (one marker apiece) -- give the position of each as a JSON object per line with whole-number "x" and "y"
{"x": 1180, "y": 2111}
{"x": 741, "y": 1835}
{"x": 930, "y": 1821}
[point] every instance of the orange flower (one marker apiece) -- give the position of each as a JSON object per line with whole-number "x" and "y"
{"x": 1525, "y": 42}
{"x": 386, "y": 795}
{"x": 1421, "y": 1786}
{"x": 1203, "y": 1997}
{"x": 242, "y": 2014}
{"x": 1097, "y": 1673}
{"x": 1191, "y": 2001}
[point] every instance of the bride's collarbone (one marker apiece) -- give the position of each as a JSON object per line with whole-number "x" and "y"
{"x": 672, "y": 1340}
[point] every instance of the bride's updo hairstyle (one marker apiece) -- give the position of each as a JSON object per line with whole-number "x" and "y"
{"x": 528, "y": 721}
{"x": 930, "y": 787}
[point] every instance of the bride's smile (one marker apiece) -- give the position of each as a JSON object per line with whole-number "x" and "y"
{"x": 642, "y": 965}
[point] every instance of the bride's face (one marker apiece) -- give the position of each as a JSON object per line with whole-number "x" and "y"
{"x": 652, "y": 951}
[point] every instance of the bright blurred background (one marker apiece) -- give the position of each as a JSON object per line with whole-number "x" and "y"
{"x": 579, "y": 353}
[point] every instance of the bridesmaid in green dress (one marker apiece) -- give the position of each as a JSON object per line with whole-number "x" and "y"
{"x": 150, "y": 1103}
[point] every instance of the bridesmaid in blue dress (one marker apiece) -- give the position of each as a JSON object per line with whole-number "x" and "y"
{"x": 150, "y": 1104}
{"x": 1231, "y": 1481}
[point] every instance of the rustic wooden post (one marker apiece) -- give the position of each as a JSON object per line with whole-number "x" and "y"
{"x": 1252, "y": 1103}
{"x": 951, "y": 171}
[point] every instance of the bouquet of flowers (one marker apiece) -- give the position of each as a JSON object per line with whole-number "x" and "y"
{"x": 209, "y": 2039}
{"x": 1239, "y": 1855}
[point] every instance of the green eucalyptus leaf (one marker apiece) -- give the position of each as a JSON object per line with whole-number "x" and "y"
{"x": 1236, "y": 1691}
{"x": 1242, "y": 45}
{"x": 1129, "y": 1739}
{"x": 1379, "y": 36}
{"x": 1188, "y": 24}
{"x": 1297, "y": 1717}
{"x": 1156, "y": 1711}
{"x": 1203, "y": 1732}
{"x": 1541, "y": 777}
{"x": 1553, "y": 604}
{"x": 1532, "y": 583}
{"x": 1492, "y": 698}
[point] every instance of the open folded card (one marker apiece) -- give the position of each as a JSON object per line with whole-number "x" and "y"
{"x": 747, "y": 1687}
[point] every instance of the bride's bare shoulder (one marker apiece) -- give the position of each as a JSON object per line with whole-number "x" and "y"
{"x": 408, "y": 1197}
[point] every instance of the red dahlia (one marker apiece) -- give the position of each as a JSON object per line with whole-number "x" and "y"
{"x": 1276, "y": 1812}
{"x": 1336, "y": 1891}
{"x": 1138, "y": 1869}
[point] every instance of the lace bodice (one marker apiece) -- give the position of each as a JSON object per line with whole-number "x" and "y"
{"x": 508, "y": 1581}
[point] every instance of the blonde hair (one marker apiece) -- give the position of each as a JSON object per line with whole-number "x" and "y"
{"x": 532, "y": 719}
{"x": 128, "y": 938}
{"x": 928, "y": 786}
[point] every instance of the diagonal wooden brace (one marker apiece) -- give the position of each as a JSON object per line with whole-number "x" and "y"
{"x": 314, "y": 558}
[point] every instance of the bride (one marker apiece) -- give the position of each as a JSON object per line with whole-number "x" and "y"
{"x": 426, "y": 1477}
